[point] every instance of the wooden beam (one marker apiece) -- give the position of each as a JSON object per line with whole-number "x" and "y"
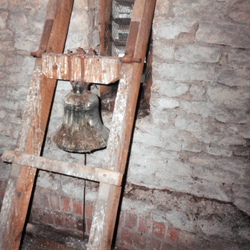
{"x": 94, "y": 69}
{"x": 60, "y": 167}
{"x": 31, "y": 136}
{"x": 105, "y": 27}
{"x": 121, "y": 130}
{"x": 105, "y": 36}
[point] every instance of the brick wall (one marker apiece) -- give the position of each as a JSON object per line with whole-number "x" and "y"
{"x": 188, "y": 177}
{"x": 174, "y": 220}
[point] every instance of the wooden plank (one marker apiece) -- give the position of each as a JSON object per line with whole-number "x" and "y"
{"x": 71, "y": 169}
{"x": 105, "y": 36}
{"x": 105, "y": 27}
{"x": 94, "y": 69}
{"x": 34, "y": 122}
{"x": 120, "y": 133}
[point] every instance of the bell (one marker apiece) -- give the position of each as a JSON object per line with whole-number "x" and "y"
{"x": 82, "y": 130}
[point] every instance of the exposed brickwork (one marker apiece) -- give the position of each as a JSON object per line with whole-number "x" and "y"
{"x": 131, "y": 221}
{"x": 144, "y": 225}
{"x": 77, "y": 207}
{"x": 66, "y": 204}
{"x": 188, "y": 178}
{"x": 158, "y": 229}
{"x": 173, "y": 234}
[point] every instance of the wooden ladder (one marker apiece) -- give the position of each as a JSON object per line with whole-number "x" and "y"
{"x": 26, "y": 159}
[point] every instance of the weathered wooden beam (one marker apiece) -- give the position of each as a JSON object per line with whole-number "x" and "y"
{"x": 94, "y": 69}
{"x": 105, "y": 27}
{"x": 104, "y": 219}
{"x": 40, "y": 95}
{"x": 60, "y": 167}
{"x": 105, "y": 36}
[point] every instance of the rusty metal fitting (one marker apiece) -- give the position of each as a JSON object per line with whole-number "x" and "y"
{"x": 92, "y": 52}
{"x": 81, "y": 51}
{"x": 130, "y": 59}
{"x": 37, "y": 54}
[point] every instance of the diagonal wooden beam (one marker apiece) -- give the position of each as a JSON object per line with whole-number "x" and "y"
{"x": 31, "y": 137}
{"x": 104, "y": 219}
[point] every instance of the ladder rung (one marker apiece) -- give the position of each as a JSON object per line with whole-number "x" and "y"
{"x": 71, "y": 169}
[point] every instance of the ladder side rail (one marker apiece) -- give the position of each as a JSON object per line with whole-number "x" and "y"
{"x": 40, "y": 95}
{"x": 104, "y": 219}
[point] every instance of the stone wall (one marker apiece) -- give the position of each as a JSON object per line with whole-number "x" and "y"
{"x": 188, "y": 177}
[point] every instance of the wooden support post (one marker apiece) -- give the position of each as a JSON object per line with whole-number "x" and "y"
{"x": 39, "y": 99}
{"x": 103, "y": 224}
{"x": 105, "y": 36}
{"x": 105, "y": 27}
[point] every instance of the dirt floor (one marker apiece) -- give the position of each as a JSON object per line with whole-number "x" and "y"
{"x": 39, "y": 237}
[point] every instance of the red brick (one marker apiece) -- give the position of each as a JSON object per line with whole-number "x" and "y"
{"x": 48, "y": 217}
{"x": 43, "y": 201}
{"x": 119, "y": 234}
{"x": 35, "y": 201}
{"x": 139, "y": 241}
{"x": 41, "y": 216}
{"x": 79, "y": 223}
{"x": 121, "y": 219}
{"x": 153, "y": 244}
{"x": 36, "y": 215}
{"x": 127, "y": 237}
{"x": 70, "y": 221}
{"x": 59, "y": 219}
{"x": 54, "y": 202}
{"x": 65, "y": 204}
{"x": 187, "y": 240}
{"x": 158, "y": 229}
{"x": 77, "y": 207}
{"x": 89, "y": 210}
{"x": 131, "y": 221}
{"x": 173, "y": 234}
{"x": 166, "y": 246}
{"x": 144, "y": 225}
{"x": 88, "y": 226}
{"x": 3, "y": 184}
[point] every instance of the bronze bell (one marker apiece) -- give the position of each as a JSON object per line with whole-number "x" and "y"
{"x": 82, "y": 130}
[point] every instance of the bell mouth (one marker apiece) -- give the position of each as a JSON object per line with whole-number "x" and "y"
{"x": 85, "y": 140}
